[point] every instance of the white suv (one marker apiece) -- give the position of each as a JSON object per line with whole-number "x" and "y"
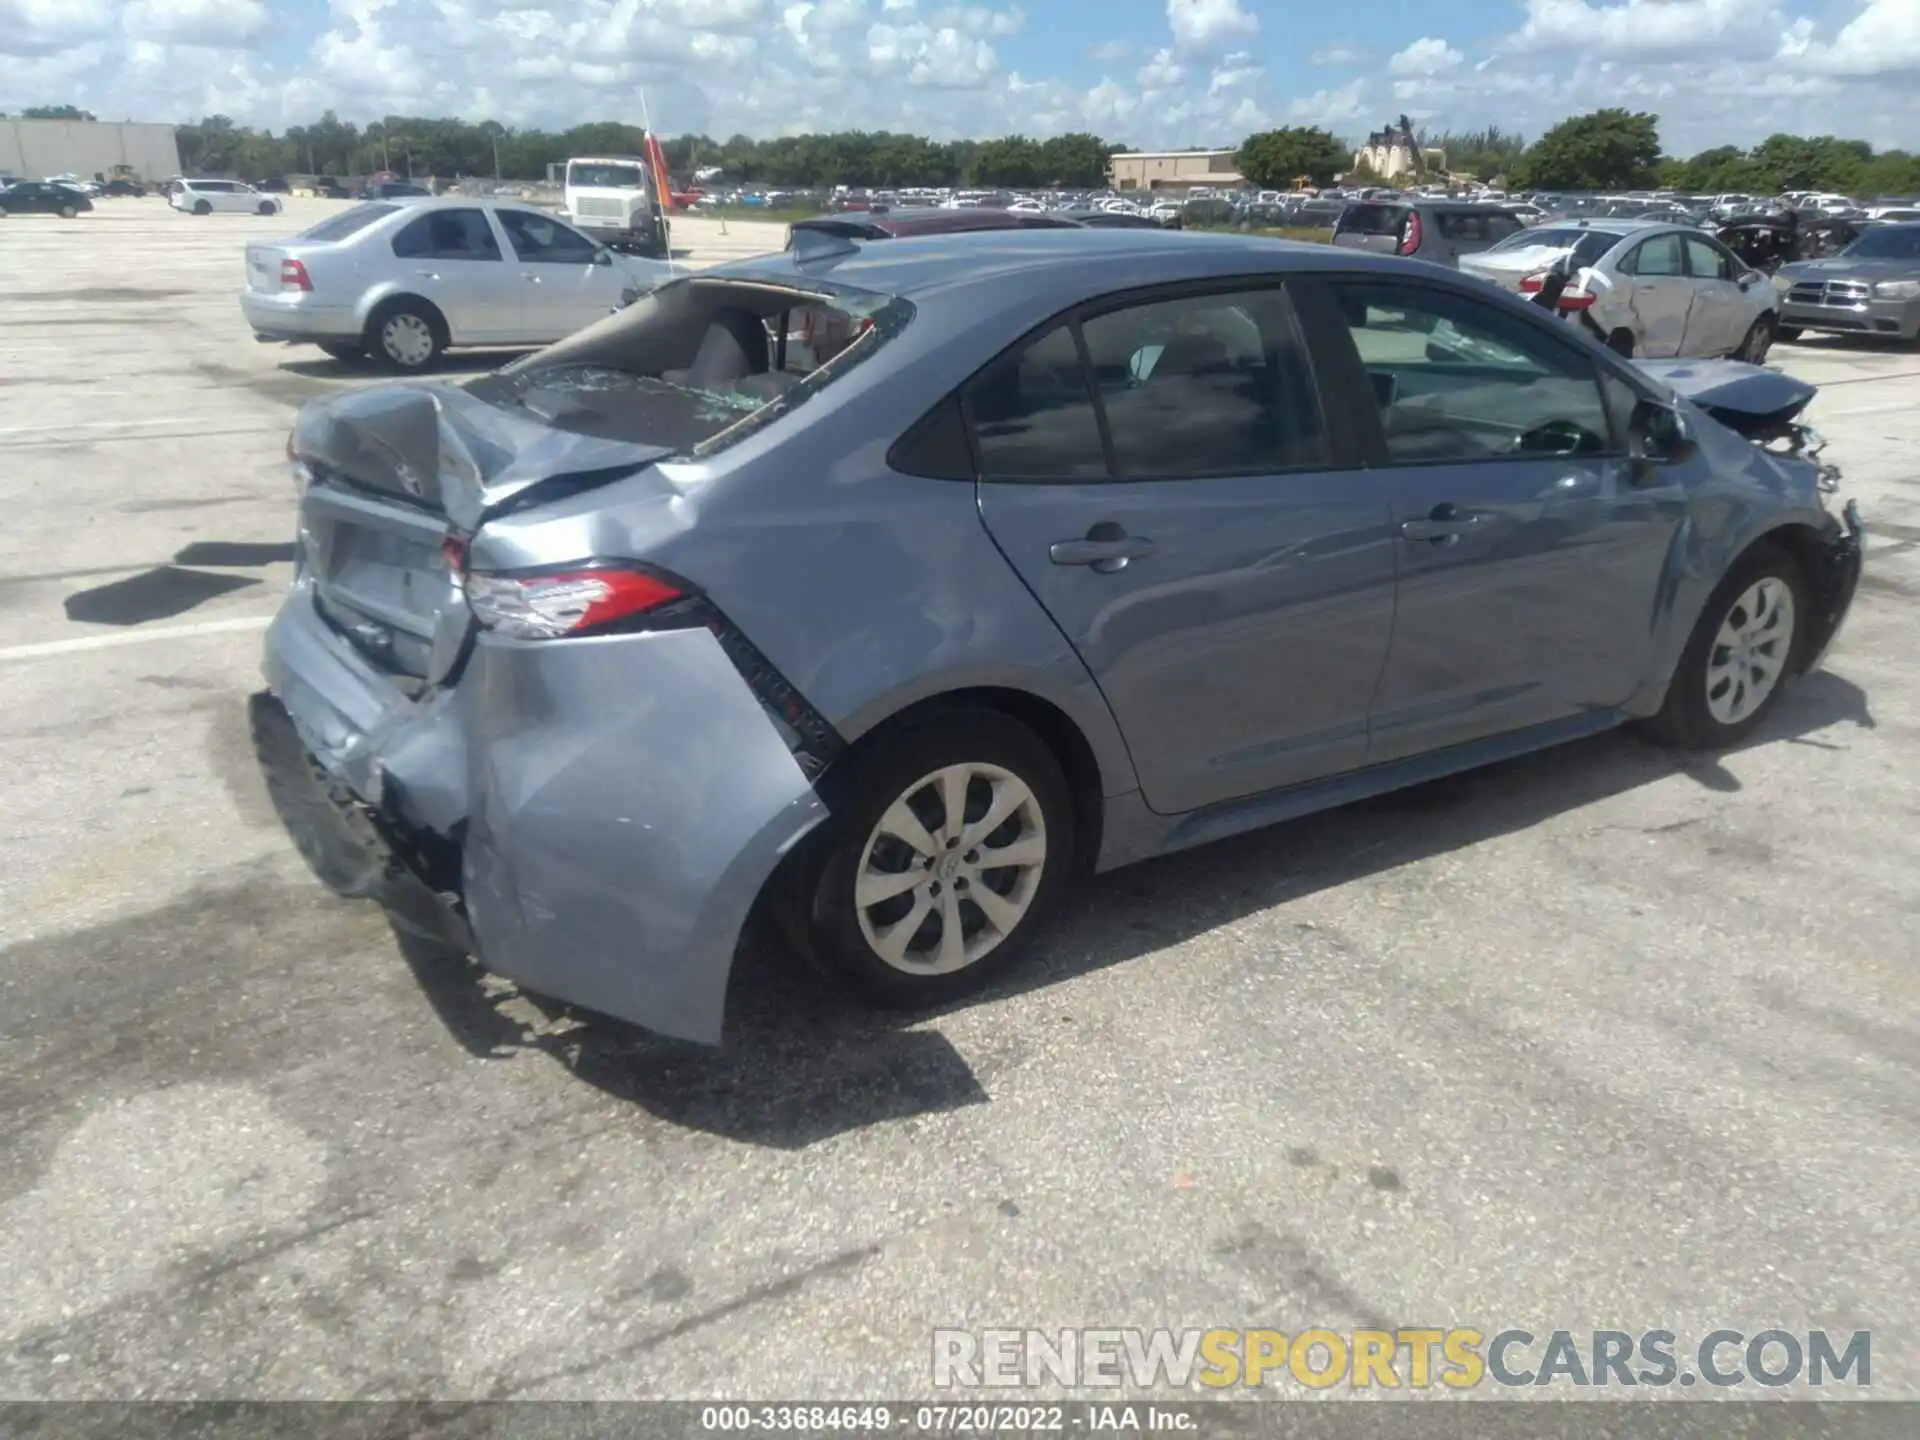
{"x": 203, "y": 197}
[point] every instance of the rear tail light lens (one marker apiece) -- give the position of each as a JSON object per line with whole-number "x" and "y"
{"x": 555, "y": 604}
{"x": 1533, "y": 284}
{"x": 1410, "y": 241}
{"x": 1577, "y": 302}
{"x": 293, "y": 276}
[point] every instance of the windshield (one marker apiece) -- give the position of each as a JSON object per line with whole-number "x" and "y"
{"x": 1898, "y": 243}
{"x": 593, "y": 175}
{"x": 699, "y": 363}
{"x": 347, "y": 222}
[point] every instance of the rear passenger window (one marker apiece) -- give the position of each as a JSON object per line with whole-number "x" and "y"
{"x": 1501, "y": 226}
{"x": 1033, "y": 416}
{"x": 1459, "y": 225}
{"x": 1205, "y": 385}
{"x": 447, "y": 235}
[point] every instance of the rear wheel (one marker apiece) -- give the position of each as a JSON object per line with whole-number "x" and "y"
{"x": 1746, "y": 644}
{"x": 1621, "y": 343}
{"x": 1759, "y": 340}
{"x": 67, "y": 212}
{"x": 406, "y": 336}
{"x": 952, "y": 840}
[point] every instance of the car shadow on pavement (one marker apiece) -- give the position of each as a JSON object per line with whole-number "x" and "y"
{"x": 803, "y": 1062}
{"x": 456, "y": 365}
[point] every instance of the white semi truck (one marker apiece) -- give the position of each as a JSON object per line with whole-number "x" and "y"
{"x": 613, "y": 199}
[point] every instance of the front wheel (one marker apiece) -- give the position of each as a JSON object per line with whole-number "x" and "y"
{"x": 266, "y": 207}
{"x": 1788, "y": 334}
{"x": 1746, "y": 644}
{"x": 202, "y": 207}
{"x": 67, "y": 212}
{"x": 952, "y": 840}
{"x": 1758, "y": 341}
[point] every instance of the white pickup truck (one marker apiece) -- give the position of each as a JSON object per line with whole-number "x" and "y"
{"x": 613, "y": 199}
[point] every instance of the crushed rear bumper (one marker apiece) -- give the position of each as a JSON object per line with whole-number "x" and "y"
{"x": 593, "y": 818}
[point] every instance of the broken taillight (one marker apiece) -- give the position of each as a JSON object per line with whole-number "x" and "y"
{"x": 293, "y": 276}
{"x": 552, "y": 604}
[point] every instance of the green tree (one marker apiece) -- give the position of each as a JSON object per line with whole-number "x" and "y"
{"x": 56, "y": 112}
{"x": 1607, "y": 150}
{"x": 1273, "y": 159}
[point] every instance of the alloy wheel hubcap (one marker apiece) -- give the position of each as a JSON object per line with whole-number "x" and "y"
{"x": 951, "y": 869}
{"x": 408, "y": 340}
{"x": 1750, "y": 653}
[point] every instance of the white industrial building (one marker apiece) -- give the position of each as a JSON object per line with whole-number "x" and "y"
{"x": 35, "y": 149}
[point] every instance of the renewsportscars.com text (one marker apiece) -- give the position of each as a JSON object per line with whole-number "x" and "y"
{"x": 1459, "y": 1358}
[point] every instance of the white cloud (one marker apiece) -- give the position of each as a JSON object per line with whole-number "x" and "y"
{"x": 217, "y": 24}
{"x": 35, "y": 27}
{"x": 1237, "y": 72}
{"x": 1693, "y": 29}
{"x": 1106, "y": 52}
{"x": 1332, "y": 108}
{"x": 1107, "y": 104}
{"x": 1882, "y": 40}
{"x": 942, "y": 57}
{"x": 1206, "y": 25}
{"x": 1425, "y": 57}
{"x": 1161, "y": 72}
{"x": 1336, "y": 57}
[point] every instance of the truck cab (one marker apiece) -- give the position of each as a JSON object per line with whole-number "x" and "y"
{"x": 614, "y": 200}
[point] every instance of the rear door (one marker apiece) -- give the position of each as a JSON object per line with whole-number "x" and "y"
{"x": 453, "y": 258}
{"x": 567, "y": 281}
{"x": 1372, "y": 225}
{"x": 1660, "y": 295}
{"x": 1159, "y": 473}
{"x": 1721, "y": 310}
{"x": 1528, "y": 558}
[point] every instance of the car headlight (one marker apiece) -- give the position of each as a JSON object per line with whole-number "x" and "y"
{"x": 1898, "y": 290}
{"x": 1782, "y": 283}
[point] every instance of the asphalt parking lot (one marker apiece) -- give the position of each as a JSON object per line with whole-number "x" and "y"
{"x": 1593, "y": 1039}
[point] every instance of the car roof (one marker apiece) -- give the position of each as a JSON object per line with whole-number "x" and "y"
{"x": 904, "y": 220}
{"x": 1003, "y": 269}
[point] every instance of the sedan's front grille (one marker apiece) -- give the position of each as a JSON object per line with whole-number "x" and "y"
{"x": 601, "y": 209}
{"x": 1831, "y": 292}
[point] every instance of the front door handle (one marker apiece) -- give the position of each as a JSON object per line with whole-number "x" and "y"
{"x": 1443, "y": 525}
{"x": 1107, "y": 548}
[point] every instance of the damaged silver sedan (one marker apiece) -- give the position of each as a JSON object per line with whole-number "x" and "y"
{"x": 890, "y": 588}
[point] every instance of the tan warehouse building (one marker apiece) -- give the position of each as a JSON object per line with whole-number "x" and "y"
{"x": 35, "y": 149}
{"x": 1171, "y": 169}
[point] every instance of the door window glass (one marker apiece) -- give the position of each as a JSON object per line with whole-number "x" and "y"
{"x": 1205, "y": 385}
{"x": 1708, "y": 261}
{"x": 540, "y": 240}
{"x": 1656, "y": 257}
{"x": 1455, "y": 379}
{"x": 1033, "y": 416}
{"x": 448, "y": 235}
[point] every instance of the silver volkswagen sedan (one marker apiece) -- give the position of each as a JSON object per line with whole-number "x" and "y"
{"x": 401, "y": 281}
{"x": 1649, "y": 289}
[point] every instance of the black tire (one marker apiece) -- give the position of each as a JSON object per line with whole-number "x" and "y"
{"x": 67, "y": 212}
{"x": 1621, "y": 343}
{"x": 377, "y": 343}
{"x": 819, "y": 909}
{"x": 1686, "y": 720}
{"x": 202, "y": 207}
{"x": 345, "y": 350}
{"x": 1788, "y": 334}
{"x": 267, "y": 207}
{"x": 1757, "y": 341}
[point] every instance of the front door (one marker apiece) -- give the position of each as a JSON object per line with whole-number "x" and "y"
{"x": 453, "y": 258}
{"x": 1660, "y": 295}
{"x": 567, "y": 281}
{"x": 1224, "y": 574}
{"x": 1528, "y": 555}
{"x": 1721, "y": 307}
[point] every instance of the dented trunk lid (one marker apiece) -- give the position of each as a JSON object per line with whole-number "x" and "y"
{"x": 389, "y": 473}
{"x": 1748, "y": 399}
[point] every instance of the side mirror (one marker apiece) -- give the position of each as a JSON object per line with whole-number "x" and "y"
{"x": 1750, "y": 278}
{"x": 1658, "y": 435}
{"x": 603, "y": 257}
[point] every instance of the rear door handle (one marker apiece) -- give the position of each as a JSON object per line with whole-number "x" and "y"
{"x": 1443, "y": 525}
{"x": 1107, "y": 548}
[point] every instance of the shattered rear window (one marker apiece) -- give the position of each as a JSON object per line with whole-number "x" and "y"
{"x": 698, "y": 364}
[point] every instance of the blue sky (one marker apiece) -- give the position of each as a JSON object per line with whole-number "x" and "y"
{"x": 1147, "y": 72}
